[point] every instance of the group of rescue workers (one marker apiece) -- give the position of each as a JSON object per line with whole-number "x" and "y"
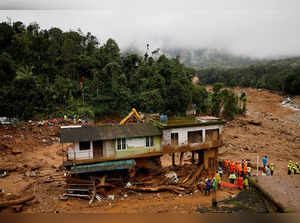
{"x": 293, "y": 168}
{"x": 238, "y": 173}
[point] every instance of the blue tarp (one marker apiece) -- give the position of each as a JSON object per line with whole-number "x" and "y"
{"x": 105, "y": 166}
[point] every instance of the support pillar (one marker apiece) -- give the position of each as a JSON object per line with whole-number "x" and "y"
{"x": 181, "y": 158}
{"x": 173, "y": 159}
{"x": 193, "y": 156}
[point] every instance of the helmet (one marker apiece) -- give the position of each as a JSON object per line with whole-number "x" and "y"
{"x": 290, "y": 161}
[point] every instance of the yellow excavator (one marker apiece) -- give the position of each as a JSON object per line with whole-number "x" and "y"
{"x": 132, "y": 113}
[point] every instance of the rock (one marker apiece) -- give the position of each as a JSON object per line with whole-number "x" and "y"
{"x": 172, "y": 177}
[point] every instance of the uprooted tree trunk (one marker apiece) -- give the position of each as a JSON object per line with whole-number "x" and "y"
{"x": 174, "y": 189}
{"x": 17, "y": 201}
{"x": 194, "y": 176}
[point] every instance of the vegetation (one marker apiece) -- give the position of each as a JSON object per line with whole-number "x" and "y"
{"x": 51, "y": 73}
{"x": 281, "y": 75}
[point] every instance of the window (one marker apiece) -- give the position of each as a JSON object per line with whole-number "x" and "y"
{"x": 149, "y": 141}
{"x": 174, "y": 138}
{"x": 121, "y": 144}
{"x": 211, "y": 134}
{"x": 195, "y": 137}
{"x": 84, "y": 145}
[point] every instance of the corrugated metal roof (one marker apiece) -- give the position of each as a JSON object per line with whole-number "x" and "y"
{"x": 107, "y": 132}
{"x": 106, "y": 166}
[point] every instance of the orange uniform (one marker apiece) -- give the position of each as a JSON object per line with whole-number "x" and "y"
{"x": 245, "y": 169}
{"x": 231, "y": 166}
{"x": 226, "y": 165}
{"x": 240, "y": 182}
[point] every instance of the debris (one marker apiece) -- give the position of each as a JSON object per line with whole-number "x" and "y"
{"x": 196, "y": 174}
{"x": 111, "y": 196}
{"x": 172, "y": 177}
{"x": 3, "y": 174}
{"x": 17, "y": 201}
{"x": 170, "y": 188}
{"x": 17, "y": 208}
{"x": 63, "y": 197}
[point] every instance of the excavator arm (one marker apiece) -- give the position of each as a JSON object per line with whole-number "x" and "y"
{"x": 132, "y": 113}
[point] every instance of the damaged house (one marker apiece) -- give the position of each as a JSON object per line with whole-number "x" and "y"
{"x": 115, "y": 147}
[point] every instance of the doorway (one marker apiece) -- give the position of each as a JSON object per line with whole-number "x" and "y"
{"x": 98, "y": 149}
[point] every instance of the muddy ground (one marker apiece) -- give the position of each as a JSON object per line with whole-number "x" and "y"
{"x": 32, "y": 157}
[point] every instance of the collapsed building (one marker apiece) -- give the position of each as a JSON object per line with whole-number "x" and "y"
{"x": 127, "y": 147}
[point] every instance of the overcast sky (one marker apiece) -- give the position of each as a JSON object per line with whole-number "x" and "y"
{"x": 258, "y": 28}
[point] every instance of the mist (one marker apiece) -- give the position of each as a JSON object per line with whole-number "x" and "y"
{"x": 258, "y": 29}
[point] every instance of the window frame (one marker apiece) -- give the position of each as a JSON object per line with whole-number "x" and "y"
{"x": 121, "y": 144}
{"x": 149, "y": 141}
{"x": 84, "y": 149}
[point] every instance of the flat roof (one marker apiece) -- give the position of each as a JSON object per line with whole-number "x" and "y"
{"x": 185, "y": 122}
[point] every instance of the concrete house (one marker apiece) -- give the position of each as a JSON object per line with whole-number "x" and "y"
{"x": 201, "y": 135}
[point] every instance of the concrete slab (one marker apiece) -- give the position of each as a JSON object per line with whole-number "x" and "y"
{"x": 284, "y": 190}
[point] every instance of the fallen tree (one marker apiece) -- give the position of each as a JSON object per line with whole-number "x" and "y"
{"x": 17, "y": 201}
{"x": 171, "y": 188}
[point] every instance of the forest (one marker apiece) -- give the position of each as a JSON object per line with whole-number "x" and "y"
{"x": 281, "y": 75}
{"x": 48, "y": 73}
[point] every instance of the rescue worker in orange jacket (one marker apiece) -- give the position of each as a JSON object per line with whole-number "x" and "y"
{"x": 240, "y": 182}
{"x": 245, "y": 170}
{"x": 231, "y": 166}
{"x": 226, "y": 165}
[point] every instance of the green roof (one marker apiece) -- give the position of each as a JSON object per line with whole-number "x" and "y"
{"x": 174, "y": 123}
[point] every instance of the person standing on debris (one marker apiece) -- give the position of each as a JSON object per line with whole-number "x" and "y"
{"x": 207, "y": 187}
{"x": 290, "y": 168}
{"x": 245, "y": 170}
{"x": 268, "y": 171}
{"x": 231, "y": 166}
{"x": 272, "y": 167}
{"x": 249, "y": 170}
{"x": 65, "y": 117}
{"x": 226, "y": 165}
{"x": 265, "y": 160}
{"x": 218, "y": 179}
{"x": 214, "y": 184}
{"x": 232, "y": 177}
{"x": 296, "y": 168}
{"x": 246, "y": 183}
{"x": 220, "y": 171}
{"x": 240, "y": 182}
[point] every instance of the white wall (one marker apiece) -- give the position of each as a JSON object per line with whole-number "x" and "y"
{"x": 80, "y": 154}
{"x": 136, "y": 142}
{"x": 183, "y": 133}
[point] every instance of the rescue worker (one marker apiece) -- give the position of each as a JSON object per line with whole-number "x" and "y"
{"x": 249, "y": 170}
{"x": 232, "y": 177}
{"x": 226, "y": 165}
{"x": 245, "y": 170}
{"x": 296, "y": 168}
{"x": 220, "y": 171}
{"x": 290, "y": 168}
{"x": 240, "y": 182}
{"x": 218, "y": 179}
{"x": 231, "y": 166}
{"x": 208, "y": 187}
{"x": 239, "y": 169}
{"x": 214, "y": 184}
{"x": 246, "y": 183}
{"x": 272, "y": 167}
{"x": 268, "y": 171}
{"x": 265, "y": 160}
{"x": 65, "y": 117}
